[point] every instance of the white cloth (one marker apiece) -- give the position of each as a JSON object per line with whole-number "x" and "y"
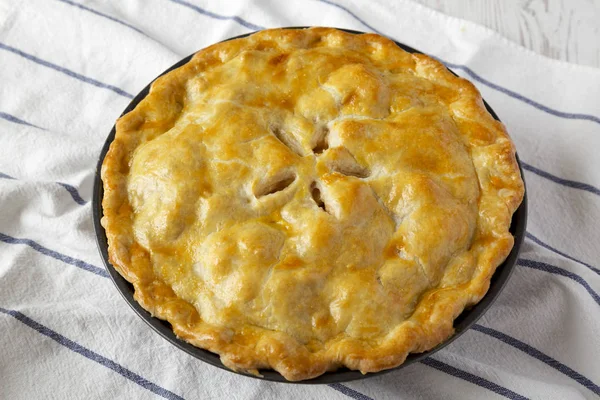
{"x": 70, "y": 69}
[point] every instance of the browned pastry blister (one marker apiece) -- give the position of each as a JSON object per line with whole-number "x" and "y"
{"x": 308, "y": 199}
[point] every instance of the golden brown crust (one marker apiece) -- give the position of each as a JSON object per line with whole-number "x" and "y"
{"x": 308, "y": 199}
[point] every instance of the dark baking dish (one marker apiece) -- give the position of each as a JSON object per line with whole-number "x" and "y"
{"x": 163, "y": 328}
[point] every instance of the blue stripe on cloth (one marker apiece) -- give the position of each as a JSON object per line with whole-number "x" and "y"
{"x": 54, "y": 254}
{"x": 559, "y": 271}
{"x": 349, "y": 392}
{"x": 71, "y": 189}
{"x": 561, "y": 181}
{"x": 118, "y": 21}
{"x": 478, "y": 78}
{"x": 74, "y": 193}
{"x": 65, "y": 71}
{"x": 4, "y": 176}
{"x": 92, "y": 355}
{"x": 535, "y": 353}
{"x": 547, "y": 246}
{"x": 16, "y": 120}
{"x": 513, "y": 94}
{"x": 477, "y": 380}
{"x": 210, "y": 14}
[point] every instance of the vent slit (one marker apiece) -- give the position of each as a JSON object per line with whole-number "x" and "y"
{"x": 323, "y": 142}
{"x": 286, "y": 140}
{"x": 316, "y": 195}
{"x": 347, "y": 165}
{"x": 275, "y": 186}
{"x": 359, "y": 173}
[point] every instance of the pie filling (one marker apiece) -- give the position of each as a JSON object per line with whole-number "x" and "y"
{"x": 308, "y": 199}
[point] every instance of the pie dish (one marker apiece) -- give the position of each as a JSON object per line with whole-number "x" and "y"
{"x": 307, "y": 199}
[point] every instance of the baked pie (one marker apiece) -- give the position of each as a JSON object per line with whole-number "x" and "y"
{"x": 307, "y": 199}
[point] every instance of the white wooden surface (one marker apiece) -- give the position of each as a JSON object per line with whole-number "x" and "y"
{"x": 567, "y": 30}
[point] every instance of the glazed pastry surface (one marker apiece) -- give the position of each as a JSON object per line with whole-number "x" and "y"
{"x": 303, "y": 200}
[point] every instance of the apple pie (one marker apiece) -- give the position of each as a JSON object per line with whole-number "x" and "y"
{"x": 308, "y": 199}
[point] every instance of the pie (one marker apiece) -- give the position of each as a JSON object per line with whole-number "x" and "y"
{"x": 308, "y": 199}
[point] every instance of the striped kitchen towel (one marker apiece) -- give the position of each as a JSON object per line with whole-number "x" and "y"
{"x": 69, "y": 67}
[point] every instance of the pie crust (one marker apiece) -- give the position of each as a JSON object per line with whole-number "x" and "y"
{"x": 306, "y": 199}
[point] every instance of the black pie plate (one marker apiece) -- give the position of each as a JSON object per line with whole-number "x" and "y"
{"x": 163, "y": 328}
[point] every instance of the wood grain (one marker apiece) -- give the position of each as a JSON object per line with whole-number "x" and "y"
{"x": 567, "y": 30}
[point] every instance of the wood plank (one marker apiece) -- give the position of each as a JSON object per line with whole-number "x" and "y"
{"x": 567, "y": 30}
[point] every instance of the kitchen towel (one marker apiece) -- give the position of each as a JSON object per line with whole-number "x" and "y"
{"x": 69, "y": 67}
